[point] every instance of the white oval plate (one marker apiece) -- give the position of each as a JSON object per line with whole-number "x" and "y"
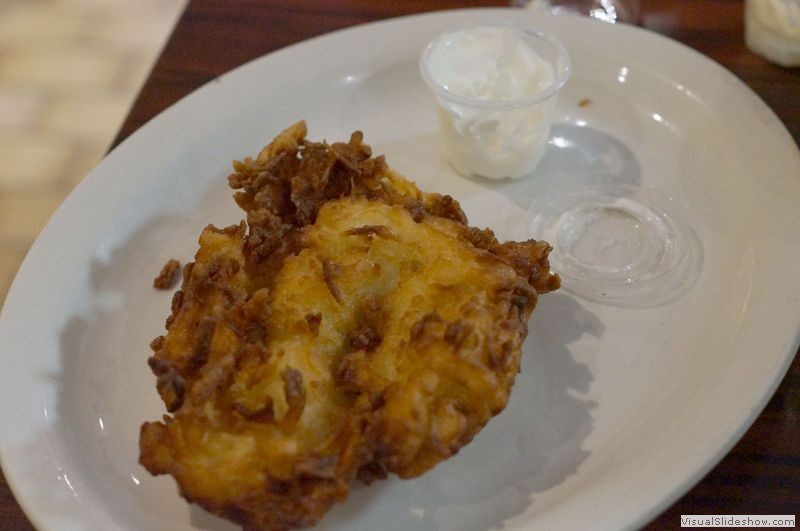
{"x": 617, "y": 411}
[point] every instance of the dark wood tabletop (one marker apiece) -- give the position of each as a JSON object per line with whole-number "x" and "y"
{"x": 761, "y": 474}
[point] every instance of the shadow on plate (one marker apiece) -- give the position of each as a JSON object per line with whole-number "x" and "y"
{"x": 575, "y": 157}
{"x": 531, "y": 447}
{"x": 93, "y": 442}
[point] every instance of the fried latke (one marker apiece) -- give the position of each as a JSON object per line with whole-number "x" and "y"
{"x": 353, "y": 326}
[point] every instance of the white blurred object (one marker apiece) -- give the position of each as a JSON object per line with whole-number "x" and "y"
{"x": 772, "y": 29}
{"x": 606, "y": 10}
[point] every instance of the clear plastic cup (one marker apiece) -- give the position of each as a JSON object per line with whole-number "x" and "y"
{"x": 496, "y": 87}
{"x": 621, "y": 245}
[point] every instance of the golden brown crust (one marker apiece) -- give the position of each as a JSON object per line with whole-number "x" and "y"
{"x": 167, "y": 276}
{"x": 353, "y": 326}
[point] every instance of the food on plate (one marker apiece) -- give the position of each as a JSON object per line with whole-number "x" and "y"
{"x": 167, "y": 276}
{"x": 353, "y": 326}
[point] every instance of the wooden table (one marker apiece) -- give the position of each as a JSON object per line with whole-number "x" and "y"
{"x": 761, "y": 474}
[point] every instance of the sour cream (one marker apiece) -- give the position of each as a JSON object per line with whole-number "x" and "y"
{"x": 496, "y": 88}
